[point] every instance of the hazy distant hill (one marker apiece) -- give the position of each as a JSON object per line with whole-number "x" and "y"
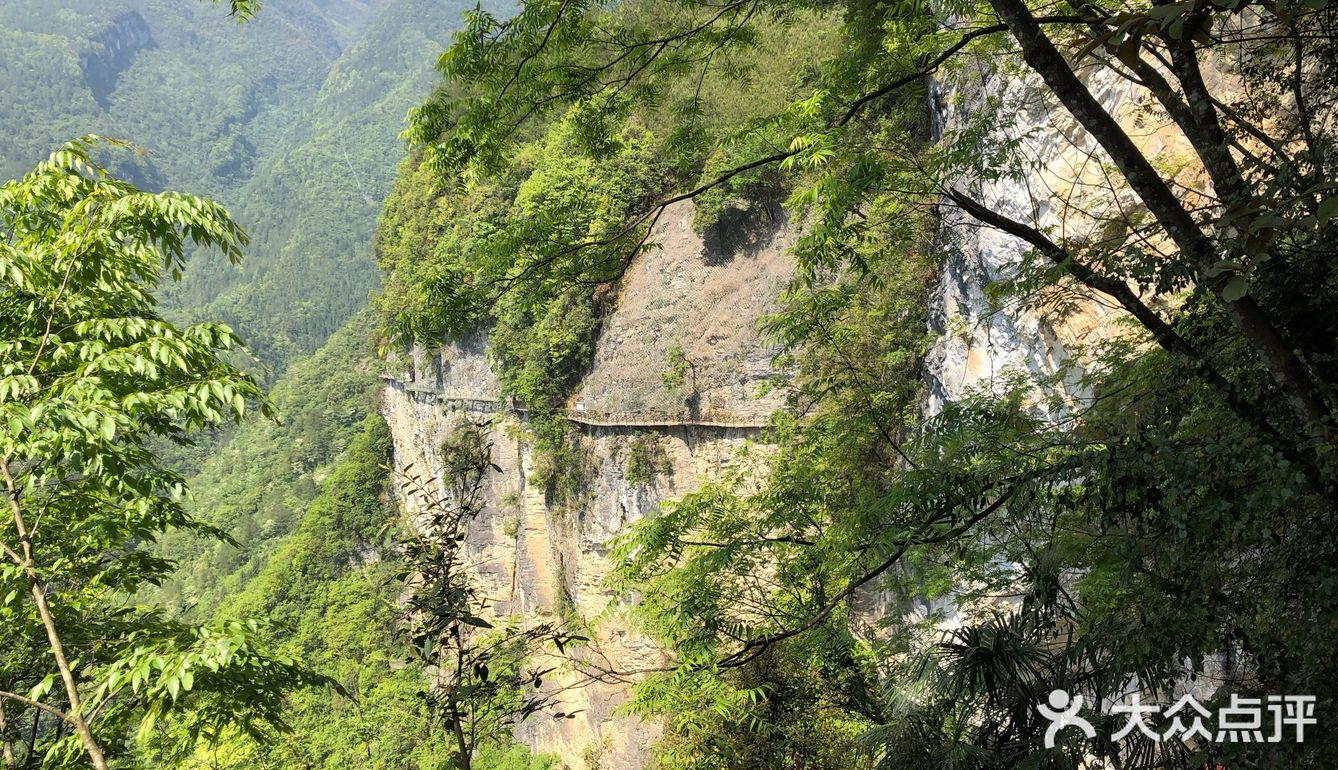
{"x": 290, "y": 119}
{"x": 181, "y": 79}
{"x": 312, "y": 204}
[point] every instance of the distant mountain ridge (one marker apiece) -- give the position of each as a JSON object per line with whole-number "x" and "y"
{"x": 313, "y": 269}
{"x": 290, "y": 119}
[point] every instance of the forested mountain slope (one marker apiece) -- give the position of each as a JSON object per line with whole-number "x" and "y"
{"x": 290, "y": 120}
{"x": 176, "y": 78}
{"x": 312, "y": 203}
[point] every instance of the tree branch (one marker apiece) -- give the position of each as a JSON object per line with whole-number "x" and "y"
{"x": 1162, "y": 332}
{"x": 1278, "y": 359}
{"x": 932, "y": 65}
{"x": 35, "y": 704}
{"x": 756, "y": 647}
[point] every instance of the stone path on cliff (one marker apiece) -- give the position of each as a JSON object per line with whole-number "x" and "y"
{"x": 582, "y": 413}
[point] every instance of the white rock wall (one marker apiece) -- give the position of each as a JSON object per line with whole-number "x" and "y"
{"x": 1059, "y": 183}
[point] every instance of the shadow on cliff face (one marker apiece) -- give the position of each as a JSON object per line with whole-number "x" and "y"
{"x": 110, "y": 53}
{"x": 742, "y": 231}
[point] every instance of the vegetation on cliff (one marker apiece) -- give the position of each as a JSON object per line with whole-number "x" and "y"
{"x": 533, "y": 246}
{"x": 1134, "y": 518}
{"x": 899, "y": 588}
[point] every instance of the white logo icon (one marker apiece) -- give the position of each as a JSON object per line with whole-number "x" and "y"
{"x": 1136, "y": 711}
{"x": 1240, "y": 722}
{"x": 1063, "y": 712}
{"x": 1195, "y": 728}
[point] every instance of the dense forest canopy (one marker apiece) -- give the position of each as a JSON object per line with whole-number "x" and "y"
{"x": 908, "y": 575}
{"x": 290, "y": 119}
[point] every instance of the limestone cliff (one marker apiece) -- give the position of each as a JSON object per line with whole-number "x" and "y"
{"x": 1063, "y": 187}
{"x": 694, "y": 303}
{"x": 696, "y": 299}
{"x": 1060, "y": 185}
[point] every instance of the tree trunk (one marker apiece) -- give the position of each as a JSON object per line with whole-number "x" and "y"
{"x": 49, "y": 624}
{"x": 32, "y": 739}
{"x": 6, "y": 743}
{"x": 1282, "y": 364}
{"x": 1201, "y": 126}
{"x": 463, "y": 753}
{"x": 1162, "y": 332}
{"x": 76, "y": 719}
{"x": 464, "y": 748}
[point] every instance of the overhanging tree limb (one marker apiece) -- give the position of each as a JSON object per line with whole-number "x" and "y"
{"x": 1162, "y": 332}
{"x": 48, "y": 708}
{"x": 856, "y": 107}
{"x": 755, "y": 647}
{"x": 1285, "y": 367}
{"x": 933, "y": 64}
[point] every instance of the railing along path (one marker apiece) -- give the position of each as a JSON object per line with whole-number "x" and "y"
{"x": 581, "y": 414}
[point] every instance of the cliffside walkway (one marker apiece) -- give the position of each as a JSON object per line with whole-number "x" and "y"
{"x": 581, "y": 414}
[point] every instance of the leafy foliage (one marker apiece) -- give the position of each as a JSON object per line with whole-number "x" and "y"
{"x": 531, "y": 245}
{"x": 500, "y": 254}
{"x": 304, "y": 498}
{"x": 92, "y": 373}
{"x": 1125, "y": 523}
{"x": 258, "y": 483}
{"x": 329, "y": 586}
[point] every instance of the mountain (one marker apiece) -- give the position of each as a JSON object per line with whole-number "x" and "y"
{"x": 180, "y": 80}
{"x": 290, "y": 119}
{"x": 312, "y": 204}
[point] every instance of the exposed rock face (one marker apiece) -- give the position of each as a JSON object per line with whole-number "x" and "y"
{"x": 1060, "y": 188}
{"x": 700, "y": 296}
{"x": 695, "y": 301}
{"x": 111, "y": 51}
{"x": 693, "y": 306}
{"x": 1063, "y": 193}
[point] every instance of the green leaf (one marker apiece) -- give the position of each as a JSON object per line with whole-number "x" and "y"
{"x": 1235, "y": 288}
{"x": 1328, "y": 209}
{"x": 43, "y": 687}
